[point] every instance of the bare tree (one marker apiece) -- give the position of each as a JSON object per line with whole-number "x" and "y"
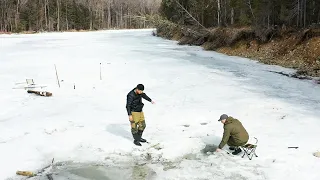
{"x": 232, "y": 16}
{"x": 219, "y": 12}
{"x": 16, "y": 19}
{"x": 251, "y": 10}
{"x": 58, "y": 15}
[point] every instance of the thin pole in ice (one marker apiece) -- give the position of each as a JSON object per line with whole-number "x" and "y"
{"x": 57, "y": 75}
{"x": 100, "y": 72}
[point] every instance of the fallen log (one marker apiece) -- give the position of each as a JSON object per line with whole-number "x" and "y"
{"x": 30, "y": 174}
{"x": 40, "y": 93}
{"x": 195, "y": 33}
{"x": 295, "y": 75}
{"x": 25, "y": 173}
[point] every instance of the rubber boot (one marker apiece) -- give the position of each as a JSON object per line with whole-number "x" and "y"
{"x": 136, "y": 140}
{"x": 237, "y": 151}
{"x": 141, "y": 139}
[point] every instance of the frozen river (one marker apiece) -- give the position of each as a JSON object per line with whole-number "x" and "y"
{"x": 84, "y": 125}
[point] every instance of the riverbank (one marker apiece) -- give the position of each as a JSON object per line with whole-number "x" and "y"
{"x": 285, "y": 47}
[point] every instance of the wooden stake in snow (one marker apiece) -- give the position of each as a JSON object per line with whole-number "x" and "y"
{"x": 57, "y": 75}
{"x": 100, "y": 72}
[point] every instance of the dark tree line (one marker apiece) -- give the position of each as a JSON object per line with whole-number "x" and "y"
{"x": 264, "y": 13}
{"x": 59, "y": 15}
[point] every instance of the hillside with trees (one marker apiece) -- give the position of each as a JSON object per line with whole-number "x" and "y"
{"x": 281, "y": 32}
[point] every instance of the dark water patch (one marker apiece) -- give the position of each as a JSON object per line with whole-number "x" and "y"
{"x": 75, "y": 171}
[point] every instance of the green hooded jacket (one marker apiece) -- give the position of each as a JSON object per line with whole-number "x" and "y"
{"x": 234, "y": 133}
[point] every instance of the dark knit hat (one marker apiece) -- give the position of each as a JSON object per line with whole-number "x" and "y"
{"x": 140, "y": 87}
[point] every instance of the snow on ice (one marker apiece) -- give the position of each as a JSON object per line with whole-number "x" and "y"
{"x": 85, "y": 120}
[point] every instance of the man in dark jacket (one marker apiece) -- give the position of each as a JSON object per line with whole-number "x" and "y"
{"x": 234, "y": 134}
{"x": 136, "y": 116}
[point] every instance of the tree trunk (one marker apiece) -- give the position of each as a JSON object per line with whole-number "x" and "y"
{"x": 305, "y": 14}
{"x": 121, "y": 20}
{"x": 232, "y": 16}
{"x": 128, "y": 18}
{"x": 58, "y": 15}
{"x": 102, "y": 18}
{"x": 90, "y": 14}
{"x": 11, "y": 26}
{"x": 2, "y": 15}
{"x": 91, "y": 23}
{"x": 117, "y": 23}
{"x": 129, "y": 14}
{"x": 300, "y": 13}
{"x": 45, "y": 13}
{"x": 225, "y": 11}
{"x": 5, "y": 20}
{"x": 250, "y": 6}
{"x": 314, "y": 15}
{"x": 314, "y": 8}
{"x": 219, "y": 12}
{"x": 318, "y": 21}
{"x": 38, "y": 18}
{"x": 41, "y": 15}
{"x": 16, "y": 19}
{"x": 109, "y": 15}
{"x": 67, "y": 22}
{"x": 202, "y": 17}
{"x": 49, "y": 21}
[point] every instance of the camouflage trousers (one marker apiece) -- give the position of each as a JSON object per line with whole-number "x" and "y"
{"x": 138, "y": 123}
{"x": 232, "y": 143}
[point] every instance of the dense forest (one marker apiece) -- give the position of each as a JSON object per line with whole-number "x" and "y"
{"x": 61, "y": 15}
{"x": 265, "y": 13}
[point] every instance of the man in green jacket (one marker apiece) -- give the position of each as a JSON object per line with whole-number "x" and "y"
{"x": 234, "y": 134}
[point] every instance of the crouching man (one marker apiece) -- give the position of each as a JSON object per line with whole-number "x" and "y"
{"x": 234, "y": 134}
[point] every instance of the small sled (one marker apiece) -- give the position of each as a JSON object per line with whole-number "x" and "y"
{"x": 29, "y": 85}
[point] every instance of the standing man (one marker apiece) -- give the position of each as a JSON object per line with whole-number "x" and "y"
{"x": 234, "y": 134}
{"x": 136, "y": 116}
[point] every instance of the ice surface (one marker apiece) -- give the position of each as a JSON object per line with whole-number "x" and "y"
{"x": 191, "y": 88}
